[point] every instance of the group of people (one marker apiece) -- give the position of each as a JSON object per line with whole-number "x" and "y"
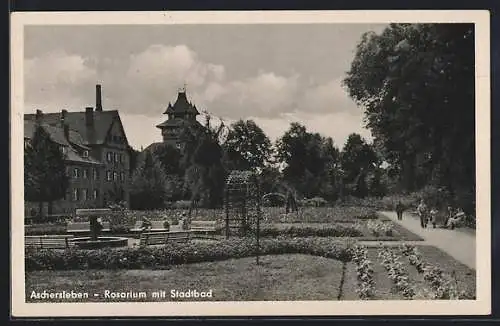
{"x": 453, "y": 218}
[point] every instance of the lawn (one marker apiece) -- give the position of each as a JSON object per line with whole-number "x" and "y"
{"x": 279, "y": 277}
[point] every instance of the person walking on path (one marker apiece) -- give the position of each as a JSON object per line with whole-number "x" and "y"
{"x": 422, "y": 213}
{"x": 399, "y": 210}
{"x": 433, "y": 216}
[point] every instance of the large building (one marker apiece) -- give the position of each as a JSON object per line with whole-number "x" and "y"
{"x": 96, "y": 151}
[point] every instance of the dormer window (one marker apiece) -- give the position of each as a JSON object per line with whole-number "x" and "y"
{"x": 85, "y": 154}
{"x": 63, "y": 149}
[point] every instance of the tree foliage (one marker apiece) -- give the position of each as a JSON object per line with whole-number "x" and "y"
{"x": 45, "y": 178}
{"x": 309, "y": 159}
{"x": 416, "y": 84}
{"x": 247, "y": 147}
{"x": 148, "y": 189}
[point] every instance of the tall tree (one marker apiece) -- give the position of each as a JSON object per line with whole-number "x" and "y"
{"x": 203, "y": 162}
{"x": 45, "y": 178}
{"x": 247, "y": 146}
{"x": 309, "y": 160}
{"x": 148, "y": 188}
{"x": 416, "y": 84}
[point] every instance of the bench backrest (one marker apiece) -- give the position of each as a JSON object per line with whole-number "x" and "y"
{"x": 93, "y": 211}
{"x": 154, "y": 224}
{"x": 203, "y": 225}
{"x": 48, "y": 242}
{"x": 154, "y": 238}
{"x": 85, "y": 226}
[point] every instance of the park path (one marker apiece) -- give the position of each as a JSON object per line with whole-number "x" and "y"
{"x": 456, "y": 243}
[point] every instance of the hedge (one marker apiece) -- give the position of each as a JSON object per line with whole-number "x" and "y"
{"x": 335, "y": 230}
{"x": 177, "y": 253}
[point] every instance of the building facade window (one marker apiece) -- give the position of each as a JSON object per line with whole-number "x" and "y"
{"x": 122, "y": 176}
{"x": 76, "y": 173}
{"x": 85, "y": 194}
{"x": 120, "y": 158}
{"x": 178, "y": 145}
{"x": 26, "y": 143}
{"x": 85, "y": 154}
{"x": 63, "y": 149}
{"x": 75, "y": 195}
{"x": 85, "y": 173}
{"x": 95, "y": 174}
{"x": 116, "y": 157}
{"x": 108, "y": 176}
{"x": 115, "y": 176}
{"x": 95, "y": 194}
{"x": 109, "y": 157}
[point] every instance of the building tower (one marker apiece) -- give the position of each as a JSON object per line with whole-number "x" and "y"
{"x": 180, "y": 115}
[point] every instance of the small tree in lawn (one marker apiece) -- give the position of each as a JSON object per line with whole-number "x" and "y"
{"x": 149, "y": 184}
{"x": 45, "y": 178}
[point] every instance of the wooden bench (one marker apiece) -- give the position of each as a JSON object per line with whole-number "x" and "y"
{"x": 156, "y": 226}
{"x": 204, "y": 229}
{"x": 84, "y": 227}
{"x": 159, "y": 238}
{"x": 48, "y": 241}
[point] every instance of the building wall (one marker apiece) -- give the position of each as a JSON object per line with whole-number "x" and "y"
{"x": 115, "y": 156}
{"x": 80, "y": 193}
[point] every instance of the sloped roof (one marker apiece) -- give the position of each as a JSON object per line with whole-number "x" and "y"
{"x": 76, "y": 121}
{"x": 56, "y": 134}
{"x": 176, "y": 122}
{"x": 182, "y": 105}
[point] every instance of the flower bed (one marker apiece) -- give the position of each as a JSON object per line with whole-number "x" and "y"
{"x": 397, "y": 272}
{"x": 364, "y": 273}
{"x": 442, "y": 285}
{"x": 380, "y": 228}
{"x": 180, "y": 253}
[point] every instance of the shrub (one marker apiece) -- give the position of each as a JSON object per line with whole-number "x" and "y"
{"x": 181, "y": 253}
{"x": 337, "y": 230}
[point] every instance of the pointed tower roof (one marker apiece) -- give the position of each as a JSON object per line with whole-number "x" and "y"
{"x": 181, "y": 105}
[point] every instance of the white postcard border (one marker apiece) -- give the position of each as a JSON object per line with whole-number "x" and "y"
{"x": 480, "y": 306}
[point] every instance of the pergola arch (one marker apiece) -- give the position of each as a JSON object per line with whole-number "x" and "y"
{"x": 242, "y": 204}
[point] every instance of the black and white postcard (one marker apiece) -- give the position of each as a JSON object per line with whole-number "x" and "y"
{"x": 270, "y": 163}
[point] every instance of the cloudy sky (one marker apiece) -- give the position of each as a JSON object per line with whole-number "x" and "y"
{"x": 273, "y": 74}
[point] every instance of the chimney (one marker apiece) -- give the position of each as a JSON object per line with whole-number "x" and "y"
{"x": 63, "y": 116}
{"x": 89, "y": 117}
{"x": 66, "y": 131}
{"x": 98, "y": 98}
{"x": 39, "y": 115}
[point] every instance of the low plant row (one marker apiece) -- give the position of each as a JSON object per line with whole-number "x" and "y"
{"x": 396, "y": 272}
{"x": 443, "y": 286}
{"x": 379, "y": 228}
{"x": 181, "y": 253}
{"x": 364, "y": 273}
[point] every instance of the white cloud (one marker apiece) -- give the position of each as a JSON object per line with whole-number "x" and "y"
{"x": 142, "y": 85}
{"x": 56, "y": 77}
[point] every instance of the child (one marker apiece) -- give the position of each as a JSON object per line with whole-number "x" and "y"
{"x": 434, "y": 213}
